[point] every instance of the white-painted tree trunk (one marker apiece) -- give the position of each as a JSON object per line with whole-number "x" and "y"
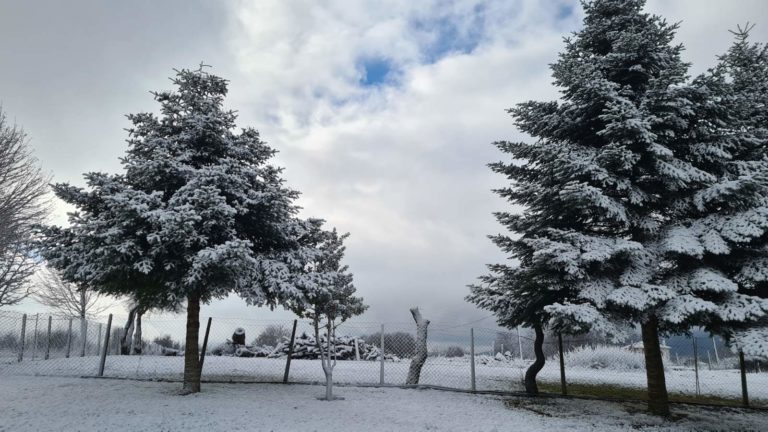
{"x": 136, "y": 341}
{"x": 327, "y": 359}
{"x": 420, "y": 354}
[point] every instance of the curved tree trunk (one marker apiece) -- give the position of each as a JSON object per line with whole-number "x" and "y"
{"x": 420, "y": 354}
{"x": 530, "y": 375}
{"x": 191, "y": 360}
{"x": 658, "y": 399}
{"x": 127, "y": 337}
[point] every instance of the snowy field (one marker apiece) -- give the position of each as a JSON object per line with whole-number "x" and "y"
{"x": 82, "y": 404}
{"x": 454, "y": 373}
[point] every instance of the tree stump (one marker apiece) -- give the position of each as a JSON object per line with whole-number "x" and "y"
{"x": 238, "y": 337}
{"x": 420, "y": 355}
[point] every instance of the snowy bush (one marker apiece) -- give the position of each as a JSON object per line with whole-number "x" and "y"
{"x": 167, "y": 341}
{"x": 8, "y": 340}
{"x": 603, "y": 357}
{"x": 272, "y": 335}
{"x": 454, "y": 351}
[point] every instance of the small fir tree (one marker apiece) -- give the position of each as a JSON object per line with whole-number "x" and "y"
{"x": 336, "y": 303}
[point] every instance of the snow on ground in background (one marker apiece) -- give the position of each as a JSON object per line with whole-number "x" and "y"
{"x": 447, "y": 372}
{"x": 82, "y": 404}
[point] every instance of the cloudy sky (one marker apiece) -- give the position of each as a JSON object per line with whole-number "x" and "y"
{"x": 383, "y": 111}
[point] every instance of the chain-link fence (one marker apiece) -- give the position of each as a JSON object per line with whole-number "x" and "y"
{"x": 697, "y": 369}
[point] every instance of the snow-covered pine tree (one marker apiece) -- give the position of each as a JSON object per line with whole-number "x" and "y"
{"x": 198, "y": 213}
{"x": 720, "y": 244}
{"x": 599, "y": 186}
{"x": 333, "y": 305}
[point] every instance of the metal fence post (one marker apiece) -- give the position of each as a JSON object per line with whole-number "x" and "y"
{"x": 34, "y": 337}
{"x": 290, "y": 353}
{"x": 714, "y": 345}
{"x": 205, "y": 344}
{"x": 106, "y": 346}
{"x": 472, "y": 354}
{"x": 23, "y": 336}
{"x": 696, "y": 366}
{"x": 48, "y": 342}
{"x": 743, "y": 367}
{"x": 69, "y": 338}
{"x": 381, "y": 371}
{"x": 118, "y": 339}
{"x": 563, "y": 386}
{"x": 519, "y": 343}
{"x": 98, "y": 341}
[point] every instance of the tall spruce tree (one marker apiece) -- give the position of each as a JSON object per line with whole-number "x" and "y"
{"x": 726, "y": 224}
{"x": 606, "y": 190}
{"x": 197, "y": 214}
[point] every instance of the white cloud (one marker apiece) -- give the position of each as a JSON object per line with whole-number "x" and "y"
{"x": 401, "y": 165}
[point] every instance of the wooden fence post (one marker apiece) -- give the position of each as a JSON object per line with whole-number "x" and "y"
{"x": 23, "y": 336}
{"x": 381, "y": 347}
{"x": 519, "y": 343}
{"x": 743, "y": 367}
{"x": 290, "y": 353}
{"x": 48, "y": 342}
{"x": 563, "y": 385}
{"x": 106, "y": 346}
{"x": 472, "y": 354}
{"x": 69, "y": 338}
{"x": 205, "y": 345}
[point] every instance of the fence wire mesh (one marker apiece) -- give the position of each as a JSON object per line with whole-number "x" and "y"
{"x": 699, "y": 369}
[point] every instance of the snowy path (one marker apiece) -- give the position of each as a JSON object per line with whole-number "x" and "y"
{"x": 79, "y": 404}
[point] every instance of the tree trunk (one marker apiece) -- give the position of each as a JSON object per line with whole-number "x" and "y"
{"x": 329, "y": 385}
{"x": 658, "y": 400}
{"x": 191, "y": 355}
{"x": 83, "y": 335}
{"x": 127, "y": 337}
{"x": 329, "y": 369}
{"x": 530, "y": 375}
{"x": 136, "y": 343}
{"x": 83, "y": 325}
{"x": 420, "y": 354}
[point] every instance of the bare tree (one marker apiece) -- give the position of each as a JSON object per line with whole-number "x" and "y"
{"x": 23, "y": 204}
{"x": 67, "y": 298}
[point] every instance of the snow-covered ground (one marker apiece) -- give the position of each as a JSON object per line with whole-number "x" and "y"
{"x": 81, "y": 404}
{"x": 453, "y": 372}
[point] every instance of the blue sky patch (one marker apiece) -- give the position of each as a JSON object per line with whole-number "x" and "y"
{"x": 375, "y": 71}
{"x": 564, "y": 11}
{"x": 452, "y": 34}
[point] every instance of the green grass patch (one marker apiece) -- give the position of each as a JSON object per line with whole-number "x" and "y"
{"x": 607, "y": 391}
